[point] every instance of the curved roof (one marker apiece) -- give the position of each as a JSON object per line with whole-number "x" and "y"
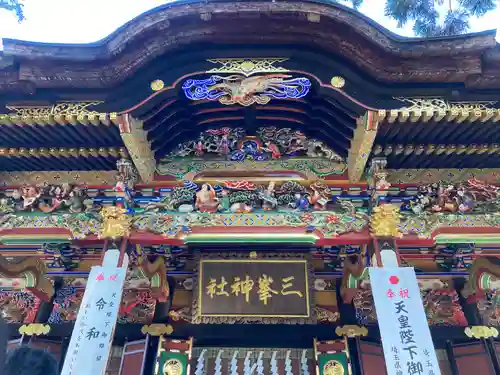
{"x": 333, "y": 28}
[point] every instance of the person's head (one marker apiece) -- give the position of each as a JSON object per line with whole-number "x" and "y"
{"x": 30, "y": 361}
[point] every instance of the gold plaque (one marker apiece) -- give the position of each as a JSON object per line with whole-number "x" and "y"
{"x": 333, "y": 368}
{"x": 172, "y": 367}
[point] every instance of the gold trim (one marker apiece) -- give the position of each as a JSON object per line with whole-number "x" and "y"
{"x": 361, "y": 146}
{"x": 64, "y": 152}
{"x": 437, "y": 109}
{"x": 248, "y": 66}
{"x": 425, "y": 176}
{"x": 200, "y": 287}
{"x": 34, "y": 329}
{"x": 60, "y": 113}
{"x": 58, "y": 177}
{"x": 432, "y": 149}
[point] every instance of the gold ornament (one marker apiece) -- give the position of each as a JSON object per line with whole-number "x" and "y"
{"x": 157, "y": 329}
{"x": 157, "y": 85}
{"x": 385, "y": 221}
{"x": 351, "y": 331}
{"x": 115, "y": 223}
{"x": 333, "y": 367}
{"x": 338, "y": 82}
{"x": 481, "y": 332}
{"x": 35, "y": 329}
{"x": 172, "y": 367}
{"x": 248, "y": 66}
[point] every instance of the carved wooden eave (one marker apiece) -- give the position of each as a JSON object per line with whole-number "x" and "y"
{"x": 331, "y": 27}
{"x": 435, "y": 110}
{"x": 58, "y": 114}
{"x": 431, "y": 149}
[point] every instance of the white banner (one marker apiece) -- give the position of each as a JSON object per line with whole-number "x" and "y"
{"x": 90, "y": 343}
{"x": 406, "y": 338}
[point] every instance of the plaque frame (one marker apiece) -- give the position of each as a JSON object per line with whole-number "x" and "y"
{"x": 264, "y": 257}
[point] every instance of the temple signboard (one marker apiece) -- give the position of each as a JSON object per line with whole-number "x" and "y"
{"x": 257, "y": 290}
{"x": 90, "y": 343}
{"x": 406, "y": 338}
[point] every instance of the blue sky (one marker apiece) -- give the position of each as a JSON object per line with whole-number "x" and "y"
{"x": 84, "y": 21}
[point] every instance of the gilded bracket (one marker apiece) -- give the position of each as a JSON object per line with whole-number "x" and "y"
{"x": 135, "y": 139}
{"x": 361, "y": 146}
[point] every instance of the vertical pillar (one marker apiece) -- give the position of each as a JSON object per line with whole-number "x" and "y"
{"x": 90, "y": 344}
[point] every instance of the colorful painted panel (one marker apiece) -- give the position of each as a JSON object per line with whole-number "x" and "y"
{"x": 443, "y": 308}
{"x": 137, "y": 306}
{"x": 18, "y": 307}
{"x": 267, "y": 143}
{"x": 66, "y": 304}
{"x": 238, "y": 89}
{"x": 489, "y": 308}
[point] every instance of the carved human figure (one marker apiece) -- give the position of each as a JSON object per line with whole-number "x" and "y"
{"x": 273, "y": 149}
{"x": 30, "y": 196}
{"x": 320, "y": 196}
{"x": 269, "y": 200}
{"x": 206, "y": 201}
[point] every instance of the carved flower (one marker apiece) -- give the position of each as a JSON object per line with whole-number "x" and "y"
{"x": 306, "y": 218}
{"x": 332, "y": 219}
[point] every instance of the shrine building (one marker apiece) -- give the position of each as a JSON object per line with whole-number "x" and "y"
{"x": 207, "y": 190}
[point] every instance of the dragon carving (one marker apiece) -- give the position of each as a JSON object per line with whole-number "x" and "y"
{"x": 238, "y": 89}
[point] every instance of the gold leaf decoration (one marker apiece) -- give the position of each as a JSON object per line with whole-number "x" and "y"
{"x": 338, "y": 82}
{"x": 385, "y": 221}
{"x": 157, "y": 329}
{"x": 248, "y": 66}
{"x": 481, "y": 332}
{"x": 116, "y": 223}
{"x": 34, "y": 329}
{"x": 351, "y": 331}
{"x": 157, "y": 85}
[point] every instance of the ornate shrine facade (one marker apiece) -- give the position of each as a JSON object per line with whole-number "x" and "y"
{"x": 249, "y": 161}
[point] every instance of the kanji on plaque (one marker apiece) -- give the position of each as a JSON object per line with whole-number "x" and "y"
{"x": 406, "y": 338}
